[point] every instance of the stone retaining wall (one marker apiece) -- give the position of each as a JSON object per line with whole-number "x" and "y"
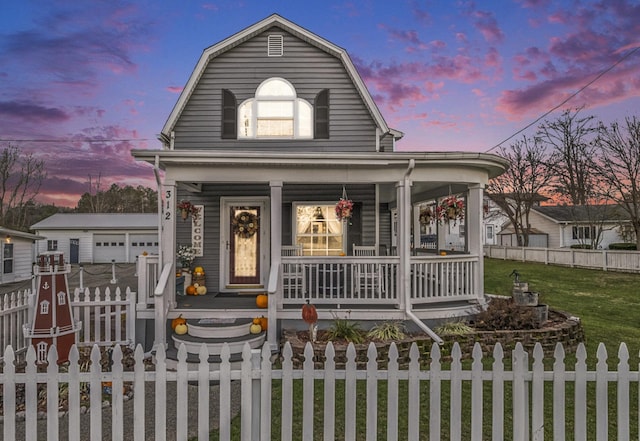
{"x": 562, "y": 329}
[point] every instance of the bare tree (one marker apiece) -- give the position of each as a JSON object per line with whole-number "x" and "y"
{"x": 619, "y": 167}
{"x": 518, "y": 189}
{"x": 21, "y": 176}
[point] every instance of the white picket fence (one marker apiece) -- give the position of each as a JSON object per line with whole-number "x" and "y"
{"x": 606, "y": 260}
{"x": 527, "y": 402}
{"x": 114, "y": 311}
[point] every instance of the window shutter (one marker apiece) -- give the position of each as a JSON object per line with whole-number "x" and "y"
{"x": 321, "y": 115}
{"x": 229, "y": 126}
{"x": 275, "y": 46}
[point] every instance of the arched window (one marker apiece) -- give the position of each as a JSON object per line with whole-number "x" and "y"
{"x": 62, "y": 298}
{"x": 44, "y": 307}
{"x": 42, "y": 348}
{"x": 275, "y": 112}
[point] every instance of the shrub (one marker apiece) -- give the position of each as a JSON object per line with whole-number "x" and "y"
{"x": 504, "y": 314}
{"x": 581, "y": 246}
{"x": 622, "y": 246}
{"x": 343, "y": 329}
{"x": 387, "y": 331}
{"x": 457, "y": 327}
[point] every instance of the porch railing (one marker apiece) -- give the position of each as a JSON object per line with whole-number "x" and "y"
{"x": 148, "y": 271}
{"x": 375, "y": 280}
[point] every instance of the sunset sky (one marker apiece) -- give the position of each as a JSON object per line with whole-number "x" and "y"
{"x": 84, "y": 82}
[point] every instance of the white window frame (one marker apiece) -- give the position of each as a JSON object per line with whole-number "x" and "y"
{"x": 301, "y": 113}
{"x": 44, "y": 307}
{"x": 62, "y": 298}
{"x": 52, "y": 245}
{"x": 42, "y": 350}
{"x": 329, "y": 214}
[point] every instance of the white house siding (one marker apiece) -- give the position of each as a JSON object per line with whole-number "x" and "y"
{"x": 609, "y": 235}
{"x": 544, "y": 224}
{"x": 23, "y": 257}
{"x": 308, "y": 68}
{"x": 64, "y": 243}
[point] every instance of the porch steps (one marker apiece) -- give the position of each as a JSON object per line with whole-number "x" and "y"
{"x": 214, "y": 333}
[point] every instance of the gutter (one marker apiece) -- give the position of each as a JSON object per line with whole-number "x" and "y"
{"x": 405, "y": 266}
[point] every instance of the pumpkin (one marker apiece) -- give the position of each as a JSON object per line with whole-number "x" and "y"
{"x": 191, "y": 290}
{"x": 181, "y": 329}
{"x": 309, "y": 313}
{"x": 178, "y": 320}
{"x": 310, "y": 316}
{"x": 201, "y": 290}
{"x": 262, "y": 301}
{"x": 198, "y": 269}
{"x": 255, "y": 329}
{"x": 263, "y": 322}
{"x": 256, "y": 321}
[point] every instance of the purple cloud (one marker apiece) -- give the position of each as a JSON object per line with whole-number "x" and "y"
{"x": 31, "y": 112}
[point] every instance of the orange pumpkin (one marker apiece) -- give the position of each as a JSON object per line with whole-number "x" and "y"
{"x": 262, "y": 301}
{"x": 309, "y": 313}
{"x": 177, "y": 321}
{"x": 263, "y": 322}
{"x": 191, "y": 290}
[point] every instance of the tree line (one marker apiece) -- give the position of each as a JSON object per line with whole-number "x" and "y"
{"x": 591, "y": 167}
{"x": 22, "y": 176}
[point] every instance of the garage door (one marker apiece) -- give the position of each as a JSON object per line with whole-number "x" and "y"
{"x": 108, "y": 247}
{"x": 141, "y": 243}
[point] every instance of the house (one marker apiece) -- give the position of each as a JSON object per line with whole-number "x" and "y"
{"x": 493, "y": 221}
{"x": 559, "y": 226}
{"x": 98, "y": 237}
{"x": 273, "y": 132}
{"x": 18, "y": 255}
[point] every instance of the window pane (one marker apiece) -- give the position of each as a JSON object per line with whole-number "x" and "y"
{"x": 305, "y": 119}
{"x": 245, "y": 118}
{"x": 276, "y": 87}
{"x": 318, "y": 231}
{"x": 278, "y": 109}
{"x": 275, "y": 127}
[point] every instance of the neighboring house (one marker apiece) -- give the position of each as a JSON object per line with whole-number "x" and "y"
{"x": 559, "y": 226}
{"x": 272, "y": 129}
{"x": 98, "y": 237}
{"x": 18, "y": 255}
{"x": 493, "y": 222}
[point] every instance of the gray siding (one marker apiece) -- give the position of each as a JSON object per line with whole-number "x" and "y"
{"x": 309, "y": 69}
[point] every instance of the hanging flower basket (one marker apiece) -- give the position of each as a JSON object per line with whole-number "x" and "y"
{"x": 450, "y": 209}
{"x": 344, "y": 209}
{"x": 245, "y": 224}
{"x": 426, "y": 216}
{"x": 186, "y": 208}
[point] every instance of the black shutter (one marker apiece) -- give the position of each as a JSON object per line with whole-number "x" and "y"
{"x": 229, "y": 113}
{"x": 321, "y": 115}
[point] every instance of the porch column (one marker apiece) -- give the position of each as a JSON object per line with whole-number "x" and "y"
{"x": 403, "y": 190}
{"x": 474, "y": 233}
{"x": 276, "y": 253}
{"x": 167, "y": 256}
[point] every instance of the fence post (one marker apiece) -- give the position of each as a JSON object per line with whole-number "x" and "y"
{"x": 81, "y": 278}
{"x": 255, "y": 395}
{"x": 604, "y": 260}
{"x": 113, "y": 272}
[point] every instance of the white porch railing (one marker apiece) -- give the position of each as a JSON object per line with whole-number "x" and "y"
{"x": 374, "y": 280}
{"x": 108, "y": 317}
{"x": 148, "y": 271}
{"x": 606, "y": 260}
{"x": 525, "y": 400}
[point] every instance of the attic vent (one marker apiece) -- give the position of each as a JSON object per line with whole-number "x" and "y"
{"x": 275, "y": 46}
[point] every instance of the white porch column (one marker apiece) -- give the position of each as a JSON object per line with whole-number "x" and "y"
{"x": 474, "y": 233}
{"x": 276, "y": 253}
{"x": 403, "y": 192}
{"x": 167, "y": 242}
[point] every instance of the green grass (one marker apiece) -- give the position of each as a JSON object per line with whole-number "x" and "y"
{"x": 607, "y": 304}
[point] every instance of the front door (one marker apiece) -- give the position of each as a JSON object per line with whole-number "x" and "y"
{"x": 246, "y": 246}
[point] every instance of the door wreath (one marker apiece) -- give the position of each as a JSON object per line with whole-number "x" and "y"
{"x": 245, "y": 224}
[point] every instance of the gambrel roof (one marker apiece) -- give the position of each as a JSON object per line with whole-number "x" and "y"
{"x": 256, "y": 29}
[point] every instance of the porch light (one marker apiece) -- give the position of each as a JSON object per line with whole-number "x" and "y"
{"x": 7, "y": 239}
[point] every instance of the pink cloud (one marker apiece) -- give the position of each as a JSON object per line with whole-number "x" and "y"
{"x": 175, "y": 89}
{"x": 487, "y": 24}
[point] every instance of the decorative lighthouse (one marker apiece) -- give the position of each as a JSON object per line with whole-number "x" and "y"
{"x": 52, "y": 318}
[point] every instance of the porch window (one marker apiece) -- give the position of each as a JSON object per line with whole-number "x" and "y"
{"x": 275, "y": 112}
{"x": 318, "y": 230}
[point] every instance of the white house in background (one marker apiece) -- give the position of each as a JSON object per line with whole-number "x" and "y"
{"x": 18, "y": 255}
{"x": 561, "y": 226}
{"x": 493, "y": 222}
{"x": 98, "y": 237}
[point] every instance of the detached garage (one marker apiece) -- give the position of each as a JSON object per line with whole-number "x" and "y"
{"x": 99, "y": 238}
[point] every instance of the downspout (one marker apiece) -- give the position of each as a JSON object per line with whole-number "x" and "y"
{"x": 156, "y": 172}
{"x": 405, "y": 261}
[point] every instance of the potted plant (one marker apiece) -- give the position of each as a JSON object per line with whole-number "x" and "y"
{"x": 450, "y": 209}
{"x": 186, "y": 255}
{"x": 344, "y": 209}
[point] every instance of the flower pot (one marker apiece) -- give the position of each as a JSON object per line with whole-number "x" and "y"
{"x": 184, "y": 214}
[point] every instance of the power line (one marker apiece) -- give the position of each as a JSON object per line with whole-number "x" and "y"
{"x": 77, "y": 140}
{"x": 596, "y": 78}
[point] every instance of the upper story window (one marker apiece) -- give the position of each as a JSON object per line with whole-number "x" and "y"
{"x": 275, "y": 112}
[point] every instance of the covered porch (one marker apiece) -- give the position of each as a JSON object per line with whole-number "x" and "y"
{"x": 408, "y": 276}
